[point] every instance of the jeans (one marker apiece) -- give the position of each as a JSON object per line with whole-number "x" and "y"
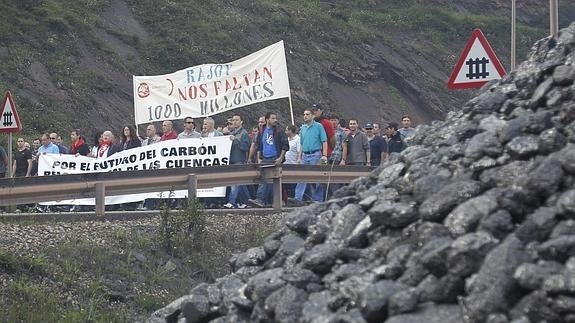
{"x": 240, "y": 191}
{"x": 265, "y": 191}
{"x": 317, "y": 189}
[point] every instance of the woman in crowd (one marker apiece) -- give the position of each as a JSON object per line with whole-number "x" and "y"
{"x": 96, "y": 144}
{"x": 129, "y": 138}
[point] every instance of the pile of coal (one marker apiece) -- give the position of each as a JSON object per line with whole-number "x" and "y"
{"x": 474, "y": 222}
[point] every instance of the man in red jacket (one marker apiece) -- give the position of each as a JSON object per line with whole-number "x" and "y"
{"x": 327, "y": 126}
{"x": 168, "y": 130}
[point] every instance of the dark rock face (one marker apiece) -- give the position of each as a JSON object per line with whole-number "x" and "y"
{"x": 474, "y": 222}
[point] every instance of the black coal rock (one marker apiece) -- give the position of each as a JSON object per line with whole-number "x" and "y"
{"x": 430, "y": 313}
{"x": 403, "y": 301}
{"x": 564, "y": 75}
{"x": 393, "y": 214}
{"x": 262, "y": 284}
{"x": 538, "y": 225}
{"x": 498, "y": 224}
{"x": 566, "y": 204}
{"x": 286, "y": 303}
{"x": 536, "y": 308}
{"x": 467, "y": 252}
{"x": 563, "y": 228}
{"x": 373, "y": 300}
{"x": 558, "y": 249}
{"x": 493, "y": 288}
{"x": 531, "y": 276}
{"x": 438, "y": 205}
{"x": 563, "y": 283}
{"x": 465, "y": 217}
{"x": 320, "y": 258}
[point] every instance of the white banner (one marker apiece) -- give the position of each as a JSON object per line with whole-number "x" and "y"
{"x": 210, "y": 89}
{"x": 182, "y": 153}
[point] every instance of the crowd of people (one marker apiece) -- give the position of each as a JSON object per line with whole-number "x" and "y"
{"x": 320, "y": 139}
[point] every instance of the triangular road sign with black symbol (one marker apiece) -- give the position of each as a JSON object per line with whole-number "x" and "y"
{"x": 9, "y": 120}
{"x": 477, "y": 65}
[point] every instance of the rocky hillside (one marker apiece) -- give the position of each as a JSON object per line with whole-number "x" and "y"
{"x": 475, "y": 222}
{"x": 70, "y": 62}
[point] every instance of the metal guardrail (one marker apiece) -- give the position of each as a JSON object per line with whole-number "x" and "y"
{"x": 23, "y": 190}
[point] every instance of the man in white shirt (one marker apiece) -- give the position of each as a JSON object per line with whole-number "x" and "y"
{"x": 189, "y": 129}
{"x": 152, "y": 135}
{"x": 406, "y": 130}
{"x": 291, "y": 156}
{"x": 208, "y": 130}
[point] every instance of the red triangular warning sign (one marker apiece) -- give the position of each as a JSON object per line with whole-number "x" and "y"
{"x": 9, "y": 120}
{"x": 477, "y": 64}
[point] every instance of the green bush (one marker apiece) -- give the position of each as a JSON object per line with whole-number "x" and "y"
{"x": 181, "y": 230}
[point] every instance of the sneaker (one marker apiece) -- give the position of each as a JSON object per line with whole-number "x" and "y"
{"x": 256, "y": 202}
{"x": 242, "y": 206}
{"x": 294, "y": 202}
{"x": 229, "y": 206}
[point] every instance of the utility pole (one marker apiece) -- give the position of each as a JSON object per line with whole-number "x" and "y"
{"x": 513, "y": 44}
{"x": 553, "y": 20}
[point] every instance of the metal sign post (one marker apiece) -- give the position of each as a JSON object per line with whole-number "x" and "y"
{"x": 553, "y": 19}
{"x": 513, "y": 44}
{"x": 9, "y": 166}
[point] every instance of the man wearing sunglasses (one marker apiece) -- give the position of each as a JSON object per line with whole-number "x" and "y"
{"x": 189, "y": 129}
{"x": 57, "y": 140}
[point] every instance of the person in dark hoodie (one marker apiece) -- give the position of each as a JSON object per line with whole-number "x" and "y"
{"x": 395, "y": 144}
{"x": 271, "y": 145}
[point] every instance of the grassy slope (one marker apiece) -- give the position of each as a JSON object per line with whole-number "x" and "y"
{"x": 123, "y": 275}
